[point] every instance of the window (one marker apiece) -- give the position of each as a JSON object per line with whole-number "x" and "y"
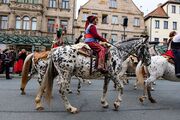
{"x": 113, "y": 38}
{"x": 52, "y": 3}
{"x": 28, "y": 1}
{"x": 26, "y": 23}
{"x": 65, "y": 4}
{"x": 174, "y": 25}
{"x": 157, "y": 24}
{"x": 165, "y": 24}
{"x": 173, "y": 9}
{"x": 5, "y": 1}
{"x": 18, "y": 22}
{"x": 50, "y": 26}
{"x": 104, "y": 19}
{"x": 114, "y": 19}
{"x": 156, "y": 39}
{"x": 84, "y": 17}
{"x": 112, "y": 3}
{"x": 165, "y": 41}
{"x": 64, "y": 24}
{"x": 3, "y": 22}
{"x": 104, "y": 35}
{"x": 136, "y": 22}
{"x": 94, "y": 14}
{"x": 34, "y": 23}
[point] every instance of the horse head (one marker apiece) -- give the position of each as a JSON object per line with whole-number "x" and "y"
{"x": 135, "y": 46}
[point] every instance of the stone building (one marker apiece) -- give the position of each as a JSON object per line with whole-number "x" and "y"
{"x": 111, "y": 14}
{"x": 34, "y": 22}
{"x": 164, "y": 19}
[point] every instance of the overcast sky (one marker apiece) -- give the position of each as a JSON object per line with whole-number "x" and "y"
{"x": 145, "y": 6}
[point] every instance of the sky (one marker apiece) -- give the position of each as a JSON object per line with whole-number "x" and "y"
{"x": 145, "y": 6}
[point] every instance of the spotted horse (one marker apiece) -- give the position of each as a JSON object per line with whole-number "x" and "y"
{"x": 37, "y": 63}
{"x": 67, "y": 62}
{"x": 159, "y": 67}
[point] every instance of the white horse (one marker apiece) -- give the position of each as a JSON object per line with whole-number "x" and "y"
{"x": 68, "y": 62}
{"x": 158, "y": 68}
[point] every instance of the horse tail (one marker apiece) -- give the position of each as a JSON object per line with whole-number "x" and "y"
{"x": 140, "y": 73}
{"x": 49, "y": 76}
{"x": 25, "y": 70}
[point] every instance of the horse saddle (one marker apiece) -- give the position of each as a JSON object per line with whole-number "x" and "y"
{"x": 86, "y": 51}
{"x": 169, "y": 59}
{"x": 40, "y": 55}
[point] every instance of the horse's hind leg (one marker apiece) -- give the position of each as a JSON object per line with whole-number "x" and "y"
{"x": 39, "y": 96}
{"x": 105, "y": 88}
{"x": 63, "y": 83}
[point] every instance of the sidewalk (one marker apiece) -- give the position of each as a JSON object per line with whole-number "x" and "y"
{"x": 13, "y": 76}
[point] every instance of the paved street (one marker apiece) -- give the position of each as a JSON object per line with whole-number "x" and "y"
{"x": 14, "y": 106}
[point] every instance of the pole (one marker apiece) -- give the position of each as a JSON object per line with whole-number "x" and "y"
{"x": 124, "y": 32}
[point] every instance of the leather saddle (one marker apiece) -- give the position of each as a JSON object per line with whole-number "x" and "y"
{"x": 40, "y": 55}
{"x": 88, "y": 52}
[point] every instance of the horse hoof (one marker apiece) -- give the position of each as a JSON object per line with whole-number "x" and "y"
{"x": 89, "y": 83}
{"x": 152, "y": 100}
{"x": 73, "y": 110}
{"x": 104, "y": 104}
{"x": 116, "y": 106}
{"x": 141, "y": 99}
{"x": 23, "y": 93}
{"x": 152, "y": 89}
{"x": 40, "y": 108}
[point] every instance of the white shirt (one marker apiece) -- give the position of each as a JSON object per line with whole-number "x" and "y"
{"x": 176, "y": 38}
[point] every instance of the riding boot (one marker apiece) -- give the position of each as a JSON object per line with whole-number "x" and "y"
{"x": 101, "y": 66}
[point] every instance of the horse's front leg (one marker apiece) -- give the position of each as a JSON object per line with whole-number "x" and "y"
{"x": 105, "y": 88}
{"x": 63, "y": 84}
{"x": 118, "y": 100}
{"x": 147, "y": 89}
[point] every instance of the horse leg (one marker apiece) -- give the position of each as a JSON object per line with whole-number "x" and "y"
{"x": 135, "y": 84}
{"x": 38, "y": 103}
{"x": 149, "y": 94}
{"x": 79, "y": 85}
{"x": 63, "y": 84}
{"x": 147, "y": 88}
{"x": 105, "y": 88}
{"x": 118, "y": 100}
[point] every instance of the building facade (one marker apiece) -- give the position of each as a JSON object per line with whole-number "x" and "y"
{"x": 164, "y": 19}
{"x": 37, "y": 17}
{"x": 111, "y": 14}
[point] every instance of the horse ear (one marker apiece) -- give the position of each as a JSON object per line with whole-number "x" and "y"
{"x": 146, "y": 39}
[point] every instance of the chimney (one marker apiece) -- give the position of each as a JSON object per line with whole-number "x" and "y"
{"x": 159, "y": 5}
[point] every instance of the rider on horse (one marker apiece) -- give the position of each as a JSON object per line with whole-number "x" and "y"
{"x": 59, "y": 40}
{"x": 175, "y": 45}
{"x": 92, "y": 38}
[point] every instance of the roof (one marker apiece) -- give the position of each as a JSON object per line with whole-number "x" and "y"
{"x": 157, "y": 13}
{"x": 25, "y": 40}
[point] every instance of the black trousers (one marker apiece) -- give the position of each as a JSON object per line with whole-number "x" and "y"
{"x": 177, "y": 61}
{"x": 7, "y": 66}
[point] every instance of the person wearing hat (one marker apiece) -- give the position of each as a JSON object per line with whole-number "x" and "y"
{"x": 175, "y": 46}
{"x": 92, "y": 38}
{"x": 169, "y": 52}
{"x": 59, "y": 41}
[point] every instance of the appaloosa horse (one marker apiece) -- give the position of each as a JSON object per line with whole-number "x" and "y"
{"x": 68, "y": 62}
{"x": 32, "y": 66}
{"x": 159, "y": 67}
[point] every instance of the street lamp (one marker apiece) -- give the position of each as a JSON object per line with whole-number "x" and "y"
{"x": 125, "y": 24}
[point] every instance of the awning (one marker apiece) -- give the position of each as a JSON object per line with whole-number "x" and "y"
{"x": 25, "y": 40}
